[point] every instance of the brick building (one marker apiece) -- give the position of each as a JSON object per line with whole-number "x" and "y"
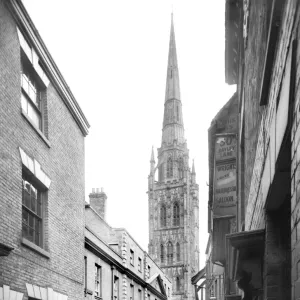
{"x": 173, "y": 193}
{"x": 116, "y": 267}
{"x": 42, "y": 130}
{"x": 262, "y": 59}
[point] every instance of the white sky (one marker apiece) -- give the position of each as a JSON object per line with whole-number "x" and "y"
{"x": 113, "y": 55}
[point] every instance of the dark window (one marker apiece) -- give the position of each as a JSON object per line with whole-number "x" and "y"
{"x": 176, "y": 215}
{"x": 162, "y": 254}
{"x": 32, "y": 216}
{"x": 163, "y": 216}
{"x": 170, "y": 253}
{"x": 131, "y": 257}
{"x": 177, "y": 283}
{"x": 131, "y": 297}
{"x": 140, "y": 294}
{"x": 116, "y": 288}
{"x": 161, "y": 172}
{"x": 140, "y": 264}
{"x": 85, "y": 274}
{"x": 169, "y": 167}
{"x": 180, "y": 167}
{"x": 98, "y": 281}
{"x": 149, "y": 271}
{"x": 178, "y": 251}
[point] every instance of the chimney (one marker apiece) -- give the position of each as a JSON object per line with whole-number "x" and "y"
{"x": 98, "y": 201}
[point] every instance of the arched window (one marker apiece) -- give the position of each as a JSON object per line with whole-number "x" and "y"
{"x": 178, "y": 251}
{"x": 176, "y": 216}
{"x": 170, "y": 253}
{"x": 180, "y": 167}
{"x": 163, "y": 216}
{"x": 161, "y": 172}
{"x": 177, "y": 283}
{"x": 162, "y": 253}
{"x": 169, "y": 167}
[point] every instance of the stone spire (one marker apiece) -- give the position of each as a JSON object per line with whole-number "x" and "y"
{"x": 172, "y": 86}
{"x": 173, "y": 121}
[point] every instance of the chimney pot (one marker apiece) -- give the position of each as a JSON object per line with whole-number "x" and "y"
{"x": 98, "y": 201}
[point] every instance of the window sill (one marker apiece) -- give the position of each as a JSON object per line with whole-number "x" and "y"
{"x": 98, "y": 298}
{"x": 35, "y": 248}
{"x": 42, "y": 136}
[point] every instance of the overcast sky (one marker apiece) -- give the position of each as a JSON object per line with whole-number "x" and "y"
{"x": 113, "y": 55}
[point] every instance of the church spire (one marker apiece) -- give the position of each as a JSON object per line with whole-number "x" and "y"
{"x": 172, "y": 85}
{"x": 173, "y": 121}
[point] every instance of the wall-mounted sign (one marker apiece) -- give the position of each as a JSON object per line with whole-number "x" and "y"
{"x": 225, "y": 147}
{"x": 225, "y": 192}
{"x": 225, "y": 189}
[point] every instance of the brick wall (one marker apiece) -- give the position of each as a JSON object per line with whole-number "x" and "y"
{"x": 63, "y": 162}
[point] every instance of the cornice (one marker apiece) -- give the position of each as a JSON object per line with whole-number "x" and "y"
{"x": 27, "y": 27}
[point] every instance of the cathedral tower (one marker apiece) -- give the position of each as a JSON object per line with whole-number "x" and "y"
{"x": 173, "y": 197}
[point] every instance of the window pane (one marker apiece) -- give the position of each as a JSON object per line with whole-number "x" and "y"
{"x": 38, "y": 203}
{"x": 31, "y": 221}
{"x": 37, "y": 225}
{"x": 33, "y": 115}
{"x": 25, "y": 216}
{"x": 37, "y": 238}
{"x": 24, "y": 103}
{"x": 27, "y": 194}
{"x": 30, "y": 234}
{"x": 24, "y": 231}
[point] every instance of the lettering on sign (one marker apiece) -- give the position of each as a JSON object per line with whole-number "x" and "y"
{"x": 225, "y": 185}
{"x": 225, "y": 148}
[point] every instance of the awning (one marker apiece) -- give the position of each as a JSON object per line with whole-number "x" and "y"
{"x": 245, "y": 254}
{"x": 200, "y": 275}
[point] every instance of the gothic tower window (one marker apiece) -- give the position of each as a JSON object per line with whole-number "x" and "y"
{"x": 178, "y": 251}
{"x": 177, "y": 108}
{"x": 163, "y": 216}
{"x": 176, "y": 216}
{"x": 177, "y": 283}
{"x": 160, "y": 175}
{"x": 180, "y": 167}
{"x": 162, "y": 253}
{"x": 170, "y": 253}
{"x": 169, "y": 167}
